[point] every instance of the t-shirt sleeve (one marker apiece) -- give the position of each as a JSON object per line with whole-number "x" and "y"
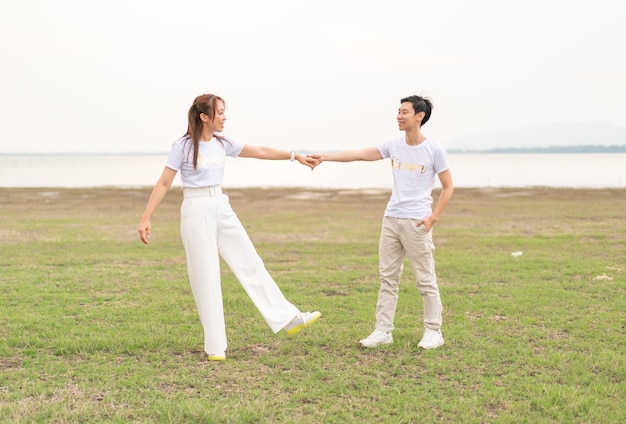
{"x": 441, "y": 160}
{"x": 232, "y": 146}
{"x": 384, "y": 150}
{"x": 175, "y": 157}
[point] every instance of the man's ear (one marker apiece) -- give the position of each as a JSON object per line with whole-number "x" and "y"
{"x": 420, "y": 115}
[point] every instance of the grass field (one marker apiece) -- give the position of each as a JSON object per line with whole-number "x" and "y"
{"x": 96, "y": 327}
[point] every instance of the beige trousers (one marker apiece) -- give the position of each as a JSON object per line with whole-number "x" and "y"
{"x": 210, "y": 229}
{"x": 400, "y": 238}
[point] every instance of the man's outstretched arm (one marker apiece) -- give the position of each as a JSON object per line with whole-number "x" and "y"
{"x": 367, "y": 154}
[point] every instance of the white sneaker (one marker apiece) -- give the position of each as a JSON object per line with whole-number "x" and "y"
{"x": 376, "y": 338}
{"x": 303, "y": 319}
{"x": 220, "y": 356}
{"x": 432, "y": 339}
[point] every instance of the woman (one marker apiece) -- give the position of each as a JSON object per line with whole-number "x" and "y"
{"x": 210, "y": 229}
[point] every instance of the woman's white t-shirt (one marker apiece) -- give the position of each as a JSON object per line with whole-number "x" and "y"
{"x": 414, "y": 170}
{"x": 211, "y": 158}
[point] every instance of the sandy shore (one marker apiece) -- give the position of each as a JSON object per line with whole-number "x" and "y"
{"x": 518, "y": 203}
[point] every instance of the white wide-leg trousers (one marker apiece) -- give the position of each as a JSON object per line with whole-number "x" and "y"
{"x": 210, "y": 229}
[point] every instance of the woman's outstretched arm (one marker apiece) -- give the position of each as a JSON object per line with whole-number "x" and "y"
{"x": 264, "y": 152}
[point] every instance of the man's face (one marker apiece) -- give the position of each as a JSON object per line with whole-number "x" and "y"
{"x": 407, "y": 118}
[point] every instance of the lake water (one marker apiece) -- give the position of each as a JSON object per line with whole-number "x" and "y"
{"x": 577, "y": 170}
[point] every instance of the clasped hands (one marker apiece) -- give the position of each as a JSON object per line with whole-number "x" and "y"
{"x": 312, "y": 161}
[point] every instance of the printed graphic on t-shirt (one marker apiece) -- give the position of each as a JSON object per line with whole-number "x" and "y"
{"x": 210, "y": 162}
{"x": 407, "y": 166}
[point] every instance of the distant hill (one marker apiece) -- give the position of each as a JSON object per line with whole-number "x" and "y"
{"x": 590, "y": 135}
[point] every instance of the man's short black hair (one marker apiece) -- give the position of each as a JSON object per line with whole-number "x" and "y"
{"x": 420, "y": 104}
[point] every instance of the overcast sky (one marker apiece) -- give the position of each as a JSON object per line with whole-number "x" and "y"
{"x": 120, "y": 75}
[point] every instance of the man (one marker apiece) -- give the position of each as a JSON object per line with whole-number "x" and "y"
{"x": 409, "y": 218}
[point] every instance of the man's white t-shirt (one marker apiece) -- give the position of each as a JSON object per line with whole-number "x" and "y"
{"x": 211, "y": 158}
{"x": 414, "y": 171}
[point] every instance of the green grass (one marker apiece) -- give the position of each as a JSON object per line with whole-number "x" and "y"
{"x": 96, "y": 327}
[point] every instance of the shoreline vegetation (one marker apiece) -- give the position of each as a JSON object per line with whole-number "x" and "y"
{"x": 96, "y": 327}
{"x": 550, "y": 149}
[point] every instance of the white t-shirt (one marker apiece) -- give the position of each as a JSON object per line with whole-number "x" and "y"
{"x": 414, "y": 171}
{"x": 211, "y": 158}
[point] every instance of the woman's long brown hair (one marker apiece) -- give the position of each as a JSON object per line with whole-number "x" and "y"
{"x": 207, "y": 104}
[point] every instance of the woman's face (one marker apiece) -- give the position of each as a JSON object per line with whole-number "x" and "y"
{"x": 217, "y": 124}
